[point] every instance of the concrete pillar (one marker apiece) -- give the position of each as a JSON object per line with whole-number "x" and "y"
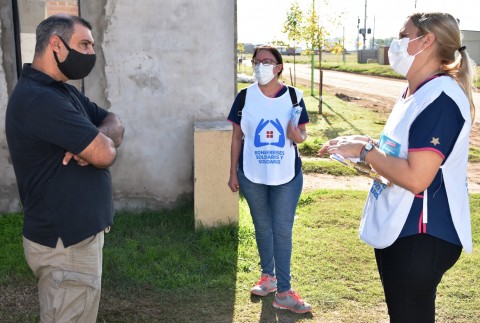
{"x": 214, "y": 202}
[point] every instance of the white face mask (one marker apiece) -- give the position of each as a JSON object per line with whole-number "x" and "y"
{"x": 398, "y": 56}
{"x": 264, "y": 74}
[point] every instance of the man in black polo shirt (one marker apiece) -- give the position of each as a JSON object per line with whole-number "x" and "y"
{"x": 61, "y": 146}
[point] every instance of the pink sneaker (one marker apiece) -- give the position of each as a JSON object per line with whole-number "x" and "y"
{"x": 266, "y": 285}
{"x": 291, "y": 301}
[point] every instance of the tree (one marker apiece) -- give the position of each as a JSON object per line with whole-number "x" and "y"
{"x": 316, "y": 36}
{"x": 381, "y": 42}
{"x": 312, "y": 32}
{"x": 277, "y": 42}
{"x": 240, "y": 48}
{"x": 293, "y": 27}
{"x": 312, "y": 35}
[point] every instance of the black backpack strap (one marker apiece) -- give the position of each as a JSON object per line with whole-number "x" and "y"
{"x": 241, "y": 102}
{"x": 293, "y": 96}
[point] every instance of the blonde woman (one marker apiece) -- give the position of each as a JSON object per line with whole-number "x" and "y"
{"x": 419, "y": 225}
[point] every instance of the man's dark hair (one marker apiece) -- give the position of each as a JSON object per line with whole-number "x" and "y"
{"x": 61, "y": 25}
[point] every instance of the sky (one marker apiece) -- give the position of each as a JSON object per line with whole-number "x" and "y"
{"x": 260, "y": 21}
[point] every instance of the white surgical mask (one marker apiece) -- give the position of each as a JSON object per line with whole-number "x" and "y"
{"x": 264, "y": 74}
{"x": 398, "y": 56}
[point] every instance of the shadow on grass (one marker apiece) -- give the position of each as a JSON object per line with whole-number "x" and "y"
{"x": 158, "y": 268}
{"x": 19, "y": 301}
{"x": 272, "y": 314}
{"x": 333, "y": 132}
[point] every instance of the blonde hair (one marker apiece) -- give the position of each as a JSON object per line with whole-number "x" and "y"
{"x": 455, "y": 60}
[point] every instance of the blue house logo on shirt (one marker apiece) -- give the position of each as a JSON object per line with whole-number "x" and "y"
{"x": 269, "y": 132}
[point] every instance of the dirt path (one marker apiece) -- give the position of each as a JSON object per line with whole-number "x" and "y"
{"x": 319, "y": 181}
{"x": 382, "y": 105}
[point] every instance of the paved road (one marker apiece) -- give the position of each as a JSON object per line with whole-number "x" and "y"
{"x": 381, "y": 86}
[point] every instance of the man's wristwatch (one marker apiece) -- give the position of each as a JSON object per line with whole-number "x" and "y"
{"x": 368, "y": 147}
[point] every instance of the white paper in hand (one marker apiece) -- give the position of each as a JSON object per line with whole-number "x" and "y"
{"x": 362, "y": 168}
{"x": 295, "y": 115}
{"x": 344, "y": 160}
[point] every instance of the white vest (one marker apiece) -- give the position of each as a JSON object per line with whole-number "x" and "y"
{"x": 268, "y": 155}
{"x": 386, "y": 209}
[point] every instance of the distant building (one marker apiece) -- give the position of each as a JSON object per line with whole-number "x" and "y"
{"x": 471, "y": 39}
{"x": 284, "y": 50}
{"x": 248, "y": 48}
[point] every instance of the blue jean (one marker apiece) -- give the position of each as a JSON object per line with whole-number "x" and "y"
{"x": 273, "y": 211}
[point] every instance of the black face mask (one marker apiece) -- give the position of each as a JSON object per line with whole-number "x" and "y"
{"x": 77, "y": 65}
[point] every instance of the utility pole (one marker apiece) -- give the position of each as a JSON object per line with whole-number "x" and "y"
{"x": 365, "y": 26}
{"x": 312, "y": 91}
{"x": 358, "y": 32}
{"x": 373, "y": 34}
{"x": 320, "y": 81}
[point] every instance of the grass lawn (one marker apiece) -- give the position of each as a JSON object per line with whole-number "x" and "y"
{"x": 158, "y": 269}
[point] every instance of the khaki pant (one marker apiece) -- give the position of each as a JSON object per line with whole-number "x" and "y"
{"x": 69, "y": 279}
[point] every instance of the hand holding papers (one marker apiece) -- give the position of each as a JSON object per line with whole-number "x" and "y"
{"x": 362, "y": 168}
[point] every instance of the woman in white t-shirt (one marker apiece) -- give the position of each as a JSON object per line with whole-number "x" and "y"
{"x": 266, "y": 167}
{"x": 419, "y": 225}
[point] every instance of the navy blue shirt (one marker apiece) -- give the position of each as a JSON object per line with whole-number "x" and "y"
{"x": 235, "y": 118}
{"x": 46, "y": 118}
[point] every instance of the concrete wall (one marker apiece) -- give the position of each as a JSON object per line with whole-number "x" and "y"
{"x": 365, "y": 54}
{"x": 9, "y": 201}
{"x": 160, "y": 66}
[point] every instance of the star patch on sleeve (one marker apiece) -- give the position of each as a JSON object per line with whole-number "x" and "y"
{"x": 435, "y": 141}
